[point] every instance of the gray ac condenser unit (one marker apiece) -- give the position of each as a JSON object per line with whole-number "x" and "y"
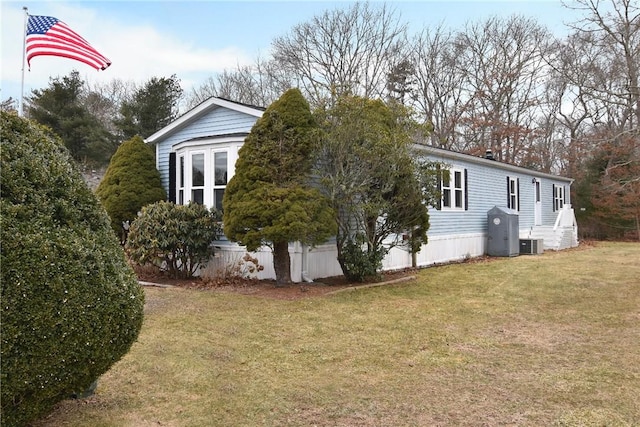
{"x": 531, "y": 246}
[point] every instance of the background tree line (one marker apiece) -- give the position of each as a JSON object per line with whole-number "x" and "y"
{"x": 567, "y": 105}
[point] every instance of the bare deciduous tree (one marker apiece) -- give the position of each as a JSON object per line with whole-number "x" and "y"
{"x": 103, "y": 100}
{"x": 440, "y": 94}
{"x": 343, "y": 52}
{"x": 614, "y": 27}
{"x": 503, "y": 61}
{"x": 259, "y": 84}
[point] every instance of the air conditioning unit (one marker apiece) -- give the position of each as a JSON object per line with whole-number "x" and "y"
{"x": 531, "y": 246}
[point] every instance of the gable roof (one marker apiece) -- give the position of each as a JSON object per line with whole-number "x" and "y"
{"x": 200, "y": 110}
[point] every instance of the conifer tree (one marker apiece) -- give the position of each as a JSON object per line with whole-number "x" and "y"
{"x": 130, "y": 182}
{"x": 269, "y": 201}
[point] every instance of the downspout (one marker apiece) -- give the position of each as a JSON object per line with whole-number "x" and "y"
{"x": 305, "y": 264}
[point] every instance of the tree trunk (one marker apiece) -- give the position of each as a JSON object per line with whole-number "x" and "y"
{"x": 282, "y": 263}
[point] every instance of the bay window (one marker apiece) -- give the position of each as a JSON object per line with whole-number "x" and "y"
{"x": 202, "y": 172}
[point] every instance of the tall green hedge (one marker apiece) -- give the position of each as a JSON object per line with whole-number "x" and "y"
{"x": 130, "y": 182}
{"x": 71, "y": 305}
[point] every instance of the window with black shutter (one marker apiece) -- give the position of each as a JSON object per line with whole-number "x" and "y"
{"x": 513, "y": 193}
{"x": 453, "y": 190}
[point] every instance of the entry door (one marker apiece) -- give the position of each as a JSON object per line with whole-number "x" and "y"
{"x": 537, "y": 209}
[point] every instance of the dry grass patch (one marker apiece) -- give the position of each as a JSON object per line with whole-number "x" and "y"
{"x": 548, "y": 340}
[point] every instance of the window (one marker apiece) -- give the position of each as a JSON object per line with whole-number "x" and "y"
{"x": 197, "y": 178}
{"x": 220, "y": 178}
{"x": 201, "y": 174}
{"x": 558, "y": 197}
{"x": 181, "y": 181}
{"x": 513, "y": 193}
{"x": 453, "y": 187}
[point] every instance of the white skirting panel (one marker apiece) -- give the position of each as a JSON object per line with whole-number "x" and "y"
{"x": 441, "y": 249}
{"x": 321, "y": 261}
{"x": 228, "y": 260}
{"x": 306, "y": 263}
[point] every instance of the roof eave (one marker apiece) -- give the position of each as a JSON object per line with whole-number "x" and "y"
{"x": 487, "y": 162}
{"x": 198, "y": 111}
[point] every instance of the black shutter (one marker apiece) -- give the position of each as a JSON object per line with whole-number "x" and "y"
{"x": 508, "y": 194}
{"x": 553, "y": 197}
{"x": 439, "y": 184}
{"x": 518, "y": 188}
{"x": 172, "y": 178}
{"x": 466, "y": 191}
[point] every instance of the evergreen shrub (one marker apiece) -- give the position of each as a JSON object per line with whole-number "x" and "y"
{"x": 358, "y": 264}
{"x": 175, "y": 238}
{"x": 71, "y": 305}
{"x": 130, "y": 182}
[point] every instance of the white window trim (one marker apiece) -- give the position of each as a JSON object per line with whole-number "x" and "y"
{"x": 558, "y": 198}
{"x": 189, "y": 176}
{"x": 215, "y": 186}
{"x": 181, "y": 166}
{"x": 453, "y": 191}
{"x": 513, "y": 195}
{"x": 187, "y": 151}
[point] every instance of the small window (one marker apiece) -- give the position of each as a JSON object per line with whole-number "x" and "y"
{"x": 197, "y": 170}
{"x": 558, "y": 197}
{"x": 218, "y": 195}
{"x": 181, "y": 181}
{"x": 197, "y": 178}
{"x": 220, "y": 160}
{"x": 453, "y": 189}
{"x": 220, "y": 179}
{"x": 181, "y": 171}
{"x": 197, "y": 196}
{"x": 513, "y": 193}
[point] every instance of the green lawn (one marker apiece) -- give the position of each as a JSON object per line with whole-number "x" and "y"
{"x": 550, "y": 340}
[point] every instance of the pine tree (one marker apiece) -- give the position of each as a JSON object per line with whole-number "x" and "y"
{"x": 130, "y": 182}
{"x": 269, "y": 201}
{"x": 61, "y": 107}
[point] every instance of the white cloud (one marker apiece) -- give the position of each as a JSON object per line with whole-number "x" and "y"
{"x": 138, "y": 52}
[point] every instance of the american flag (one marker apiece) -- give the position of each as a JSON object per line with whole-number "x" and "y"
{"x": 47, "y": 35}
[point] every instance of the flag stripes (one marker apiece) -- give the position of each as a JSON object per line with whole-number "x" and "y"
{"x": 47, "y": 35}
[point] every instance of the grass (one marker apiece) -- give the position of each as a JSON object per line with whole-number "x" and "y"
{"x": 549, "y": 340}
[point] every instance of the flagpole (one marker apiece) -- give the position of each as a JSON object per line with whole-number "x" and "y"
{"x": 24, "y": 45}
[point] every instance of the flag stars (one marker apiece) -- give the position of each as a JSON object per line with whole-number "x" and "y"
{"x": 40, "y": 24}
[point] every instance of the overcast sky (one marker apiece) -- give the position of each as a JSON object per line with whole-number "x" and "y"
{"x": 197, "y": 39}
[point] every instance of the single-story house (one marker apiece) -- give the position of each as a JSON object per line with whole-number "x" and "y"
{"x": 197, "y": 152}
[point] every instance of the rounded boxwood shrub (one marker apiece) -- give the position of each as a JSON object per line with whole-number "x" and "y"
{"x": 130, "y": 182}
{"x": 175, "y": 238}
{"x": 71, "y": 305}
